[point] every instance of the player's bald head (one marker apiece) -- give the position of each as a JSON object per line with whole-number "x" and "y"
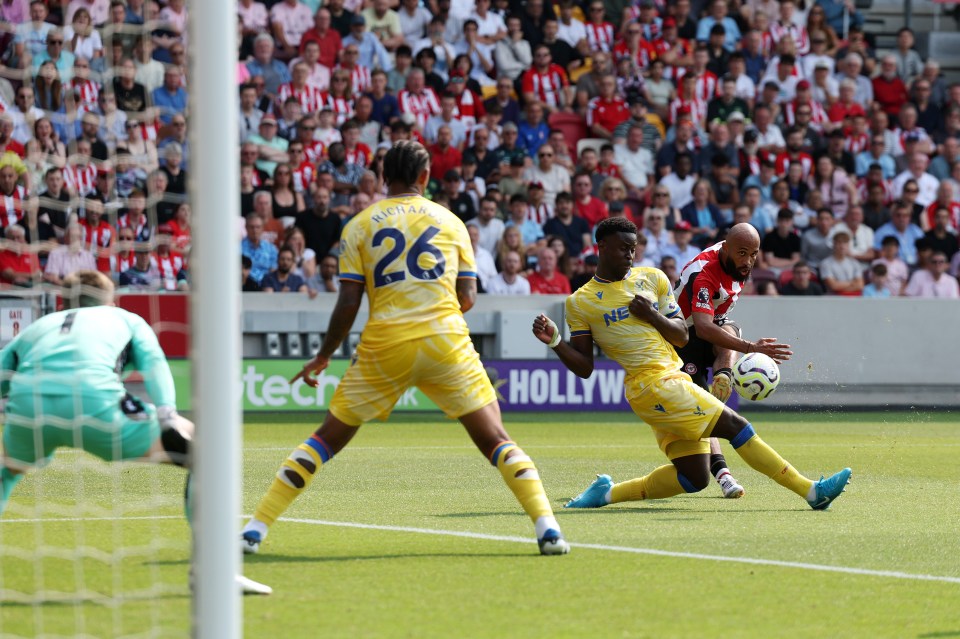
{"x": 743, "y": 235}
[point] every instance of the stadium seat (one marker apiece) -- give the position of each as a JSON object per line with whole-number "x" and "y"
{"x": 590, "y": 143}
{"x": 574, "y": 128}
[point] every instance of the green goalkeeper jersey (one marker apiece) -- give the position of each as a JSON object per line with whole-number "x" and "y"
{"x": 82, "y": 353}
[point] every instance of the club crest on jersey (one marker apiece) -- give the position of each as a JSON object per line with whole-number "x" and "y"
{"x": 690, "y": 368}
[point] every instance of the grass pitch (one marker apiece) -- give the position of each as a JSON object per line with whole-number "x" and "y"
{"x": 410, "y": 533}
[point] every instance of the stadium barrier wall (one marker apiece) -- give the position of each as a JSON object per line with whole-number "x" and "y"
{"x": 848, "y": 352}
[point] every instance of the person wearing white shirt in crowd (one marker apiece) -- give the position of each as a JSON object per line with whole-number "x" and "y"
{"x": 679, "y": 182}
{"x": 486, "y": 267}
{"x": 319, "y": 77}
{"x": 933, "y": 281}
{"x": 553, "y": 177}
{"x": 509, "y": 281}
{"x": 413, "y": 20}
{"x": 569, "y": 29}
{"x": 656, "y": 234}
{"x": 635, "y": 162}
{"x": 861, "y": 235}
{"x": 490, "y": 226}
{"x": 917, "y": 170}
{"x": 769, "y": 137}
{"x": 448, "y": 107}
{"x": 818, "y": 54}
{"x": 681, "y": 249}
{"x": 490, "y": 26}
{"x": 824, "y": 87}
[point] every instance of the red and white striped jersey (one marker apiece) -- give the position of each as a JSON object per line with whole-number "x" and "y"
{"x": 80, "y": 180}
{"x": 600, "y": 36}
{"x": 706, "y": 88}
{"x": 310, "y": 98}
{"x": 931, "y": 214}
{"x": 422, "y": 105}
{"x": 141, "y": 228}
{"x": 303, "y": 176}
{"x": 767, "y": 46}
{"x": 11, "y": 207}
{"x": 145, "y": 131}
{"x": 360, "y": 154}
{"x": 120, "y": 263}
{"x": 342, "y": 107}
{"x": 863, "y": 188}
{"x": 86, "y": 93}
{"x": 856, "y": 143}
{"x": 469, "y": 109}
{"x": 539, "y": 213}
{"x": 168, "y": 266}
{"x": 696, "y": 107}
{"x": 778, "y": 30}
{"x": 315, "y": 151}
{"x": 818, "y": 115}
{"x": 546, "y": 87}
{"x": 359, "y": 77}
{"x": 784, "y": 160}
{"x": 644, "y": 55}
{"x": 704, "y": 287}
{"x": 97, "y": 237}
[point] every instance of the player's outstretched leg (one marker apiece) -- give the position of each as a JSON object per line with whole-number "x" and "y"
{"x": 688, "y": 474}
{"x": 722, "y": 388}
{"x": 295, "y": 474}
{"x": 766, "y": 460}
{"x": 718, "y": 468}
{"x": 520, "y": 474}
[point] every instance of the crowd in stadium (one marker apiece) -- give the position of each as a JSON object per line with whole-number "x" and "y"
{"x": 686, "y": 116}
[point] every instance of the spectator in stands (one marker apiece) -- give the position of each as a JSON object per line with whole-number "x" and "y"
{"x": 263, "y": 254}
{"x": 781, "y": 248}
{"x": 702, "y": 214}
{"x": 491, "y": 227}
{"x": 942, "y": 237}
{"x": 572, "y": 229}
{"x": 850, "y": 69}
{"x": 801, "y": 282}
{"x": 512, "y": 53}
{"x": 636, "y": 164}
{"x": 547, "y": 280}
{"x": 908, "y": 61}
{"x": 272, "y": 71}
{"x": 933, "y": 280}
{"x": 897, "y": 270}
{"x": 888, "y": 89}
{"x": 842, "y": 274}
{"x": 906, "y": 232}
{"x": 18, "y": 264}
{"x": 68, "y": 258}
{"x": 876, "y": 154}
{"x": 53, "y": 207}
{"x": 681, "y": 249}
{"x": 861, "y": 235}
{"x": 926, "y": 184}
{"x": 878, "y": 285}
{"x": 553, "y": 178}
{"x": 372, "y": 53}
{"x": 283, "y": 279}
{"x": 838, "y": 190}
{"x": 320, "y": 227}
{"x": 815, "y": 242}
{"x": 510, "y": 281}
{"x": 249, "y": 285}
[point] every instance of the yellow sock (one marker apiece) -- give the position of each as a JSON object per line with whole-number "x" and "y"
{"x": 661, "y": 483}
{"x": 766, "y": 460}
{"x": 293, "y": 478}
{"x": 521, "y": 476}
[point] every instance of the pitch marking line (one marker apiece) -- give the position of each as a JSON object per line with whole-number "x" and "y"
{"x": 892, "y": 574}
{"x": 637, "y": 551}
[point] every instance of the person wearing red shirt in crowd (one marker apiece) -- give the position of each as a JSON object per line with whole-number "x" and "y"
{"x": 794, "y": 155}
{"x": 469, "y": 106}
{"x": 845, "y": 106}
{"x": 590, "y": 208}
{"x": 8, "y": 144}
{"x": 607, "y": 166}
{"x": 169, "y": 264}
{"x": 695, "y": 109}
{"x": 634, "y": 46}
{"x": 945, "y": 200}
{"x": 818, "y": 117}
{"x": 12, "y": 197}
{"x": 443, "y": 155}
{"x": 607, "y": 110}
{"x": 547, "y": 280}
{"x": 357, "y": 151}
{"x": 328, "y": 39}
{"x": 418, "y": 100}
{"x": 546, "y": 82}
{"x": 673, "y": 50}
{"x": 98, "y": 234}
{"x": 888, "y": 89}
{"x": 18, "y": 264}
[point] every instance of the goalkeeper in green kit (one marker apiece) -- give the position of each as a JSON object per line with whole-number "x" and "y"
{"x": 61, "y": 377}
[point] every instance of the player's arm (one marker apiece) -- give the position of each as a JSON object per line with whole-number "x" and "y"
{"x": 576, "y": 355}
{"x": 673, "y": 329}
{"x": 8, "y": 365}
{"x": 147, "y": 357}
{"x": 717, "y": 336}
{"x": 466, "y": 293}
{"x": 344, "y": 315}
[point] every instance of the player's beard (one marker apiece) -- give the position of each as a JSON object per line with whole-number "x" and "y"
{"x": 730, "y": 268}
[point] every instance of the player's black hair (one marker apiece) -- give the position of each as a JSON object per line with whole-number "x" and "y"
{"x": 613, "y": 225}
{"x": 404, "y": 162}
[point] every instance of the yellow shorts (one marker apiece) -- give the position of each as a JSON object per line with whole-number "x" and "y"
{"x": 681, "y": 414}
{"x": 445, "y": 367}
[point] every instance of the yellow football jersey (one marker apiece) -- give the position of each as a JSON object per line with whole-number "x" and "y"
{"x": 601, "y": 309}
{"x": 408, "y": 252}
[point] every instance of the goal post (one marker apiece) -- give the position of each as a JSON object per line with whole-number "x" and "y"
{"x": 215, "y": 318}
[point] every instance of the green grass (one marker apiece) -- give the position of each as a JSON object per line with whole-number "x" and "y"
{"x": 900, "y": 515}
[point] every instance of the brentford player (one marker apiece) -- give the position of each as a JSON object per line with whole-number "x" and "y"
{"x": 706, "y": 292}
{"x": 546, "y": 82}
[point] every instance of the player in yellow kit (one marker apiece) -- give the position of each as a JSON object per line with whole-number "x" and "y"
{"x": 631, "y": 314}
{"x": 415, "y": 262}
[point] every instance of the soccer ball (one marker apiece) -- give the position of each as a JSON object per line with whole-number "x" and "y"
{"x": 755, "y": 376}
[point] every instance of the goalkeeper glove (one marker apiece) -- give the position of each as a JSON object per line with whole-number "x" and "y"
{"x": 722, "y": 384}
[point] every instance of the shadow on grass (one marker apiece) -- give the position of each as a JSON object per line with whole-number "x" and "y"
{"x": 938, "y": 635}
{"x": 297, "y": 559}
